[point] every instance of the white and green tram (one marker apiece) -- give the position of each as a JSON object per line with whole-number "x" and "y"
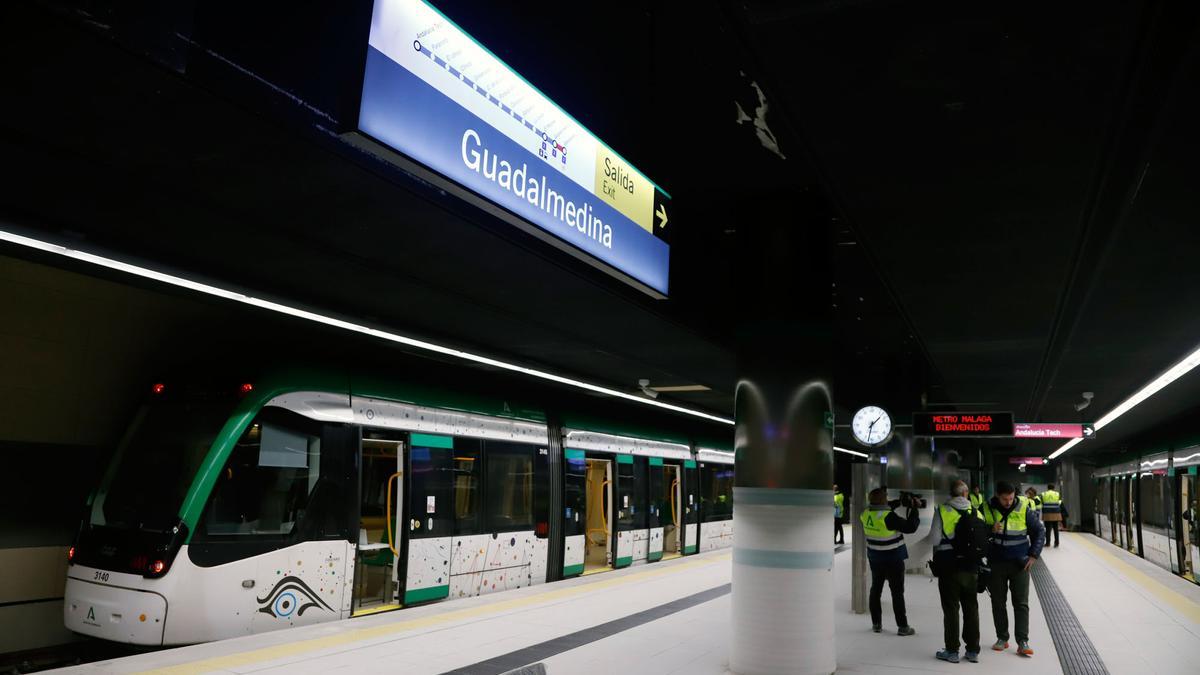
{"x": 299, "y": 499}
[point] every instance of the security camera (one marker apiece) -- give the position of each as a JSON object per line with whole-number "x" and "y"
{"x": 644, "y": 385}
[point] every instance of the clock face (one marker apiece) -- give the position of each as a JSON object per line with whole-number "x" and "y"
{"x": 871, "y": 425}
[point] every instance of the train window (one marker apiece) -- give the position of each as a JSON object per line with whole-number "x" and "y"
{"x": 640, "y": 495}
{"x": 510, "y": 479}
{"x": 147, "y": 482}
{"x": 624, "y": 493}
{"x": 575, "y": 493}
{"x": 467, "y": 485}
{"x": 717, "y": 491}
{"x": 431, "y": 490}
{"x": 265, "y": 486}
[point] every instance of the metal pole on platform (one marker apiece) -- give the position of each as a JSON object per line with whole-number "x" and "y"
{"x": 858, "y": 543}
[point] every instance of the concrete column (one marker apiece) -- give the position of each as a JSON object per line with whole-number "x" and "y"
{"x": 782, "y": 598}
{"x": 858, "y": 544}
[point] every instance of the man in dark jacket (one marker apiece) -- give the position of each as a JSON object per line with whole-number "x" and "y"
{"x": 886, "y": 552}
{"x": 1017, "y": 539}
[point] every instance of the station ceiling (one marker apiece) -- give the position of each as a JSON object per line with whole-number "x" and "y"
{"x": 1009, "y": 190}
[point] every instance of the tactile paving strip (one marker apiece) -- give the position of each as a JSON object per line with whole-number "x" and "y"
{"x": 517, "y": 662}
{"x": 1075, "y": 650}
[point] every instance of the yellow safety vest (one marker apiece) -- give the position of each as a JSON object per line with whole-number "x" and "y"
{"x": 1014, "y": 532}
{"x": 839, "y": 500}
{"x": 977, "y": 500}
{"x": 879, "y": 537}
{"x": 950, "y": 517}
{"x": 1052, "y": 501}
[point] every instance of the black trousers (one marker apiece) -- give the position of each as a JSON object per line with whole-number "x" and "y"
{"x": 957, "y": 589}
{"x": 839, "y": 537}
{"x": 893, "y": 574}
{"x": 1052, "y": 528}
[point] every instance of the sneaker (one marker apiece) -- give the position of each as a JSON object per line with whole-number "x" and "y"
{"x": 1024, "y": 649}
{"x": 973, "y": 656}
{"x": 906, "y": 630}
{"x": 947, "y": 655}
{"x": 877, "y": 628}
{"x": 1000, "y": 645}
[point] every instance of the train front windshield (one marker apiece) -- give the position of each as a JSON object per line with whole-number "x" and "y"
{"x": 145, "y": 486}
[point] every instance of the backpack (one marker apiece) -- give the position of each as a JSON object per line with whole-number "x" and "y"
{"x": 971, "y": 538}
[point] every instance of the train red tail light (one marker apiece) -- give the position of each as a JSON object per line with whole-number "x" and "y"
{"x": 246, "y": 388}
{"x": 139, "y": 562}
{"x": 158, "y": 567}
{"x": 71, "y": 555}
{"x": 542, "y": 529}
{"x": 158, "y": 388}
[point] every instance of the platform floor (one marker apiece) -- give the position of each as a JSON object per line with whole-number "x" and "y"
{"x": 673, "y": 617}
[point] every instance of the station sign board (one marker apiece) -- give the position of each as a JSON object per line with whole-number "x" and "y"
{"x": 435, "y": 95}
{"x": 963, "y": 425}
{"x": 1041, "y": 430}
{"x": 1028, "y": 461}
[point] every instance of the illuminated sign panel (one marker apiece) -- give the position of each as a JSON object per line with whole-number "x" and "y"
{"x": 963, "y": 424}
{"x": 434, "y": 94}
{"x": 1026, "y": 430}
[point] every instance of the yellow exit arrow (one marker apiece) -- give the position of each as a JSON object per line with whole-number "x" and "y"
{"x": 662, "y": 213}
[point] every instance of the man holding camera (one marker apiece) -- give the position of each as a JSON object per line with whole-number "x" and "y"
{"x": 886, "y": 552}
{"x": 1017, "y": 539}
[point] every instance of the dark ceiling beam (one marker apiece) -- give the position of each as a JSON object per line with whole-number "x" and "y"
{"x": 1165, "y": 35}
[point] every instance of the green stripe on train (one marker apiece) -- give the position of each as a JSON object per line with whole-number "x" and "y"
{"x": 572, "y": 570}
{"x": 688, "y": 550}
{"x": 624, "y": 562}
{"x": 573, "y": 454}
{"x": 624, "y": 459}
{"x": 654, "y": 556}
{"x": 423, "y": 594}
{"x": 432, "y": 441}
{"x": 656, "y": 461}
{"x": 689, "y": 463}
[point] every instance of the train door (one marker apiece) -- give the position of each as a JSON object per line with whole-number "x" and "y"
{"x": 381, "y": 499}
{"x": 672, "y": 491}
{"x": 1189, "y": 538}
{"x": 691, "y": 512}
{"x": 1133, "y": 527}
{"x": 1175, "y": 532}
{"x": 598, "y": 537}
{"x": 658, "y": 507}
{"x": 575, "y": 512}
{"x": 1120, "y": 488}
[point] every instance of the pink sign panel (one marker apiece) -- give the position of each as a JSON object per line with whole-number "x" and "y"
{"x": 1031, "y": 461}
{"x": 1025, "y": 430}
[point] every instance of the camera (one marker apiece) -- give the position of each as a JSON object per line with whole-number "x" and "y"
{"x": 908, "y": 500}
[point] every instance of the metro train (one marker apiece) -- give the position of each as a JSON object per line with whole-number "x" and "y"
{"x": 303, "y": 498}
{"x": 1148, "y": 506}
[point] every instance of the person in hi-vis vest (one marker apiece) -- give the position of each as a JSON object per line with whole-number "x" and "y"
{"x": 1052, "y": 512}
{"x": 958, "y": 580}
{"x": 839, "y": 509}
{"x": 884, "y": 532}
{"x": 977, "y": 498}
{"x": 1017, "y": 539}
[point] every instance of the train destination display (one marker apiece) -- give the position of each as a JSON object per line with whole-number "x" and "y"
{"x": 434, "y": 94}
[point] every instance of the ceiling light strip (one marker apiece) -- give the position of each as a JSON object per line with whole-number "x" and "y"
{"x": 242, "y": 298}
{"x": 1173, "y": 373}
{"x": 851, "y": 452}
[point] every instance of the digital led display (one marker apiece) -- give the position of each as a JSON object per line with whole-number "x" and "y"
{"x": 434, "y": 94}
{"x": 963, "y": 424}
